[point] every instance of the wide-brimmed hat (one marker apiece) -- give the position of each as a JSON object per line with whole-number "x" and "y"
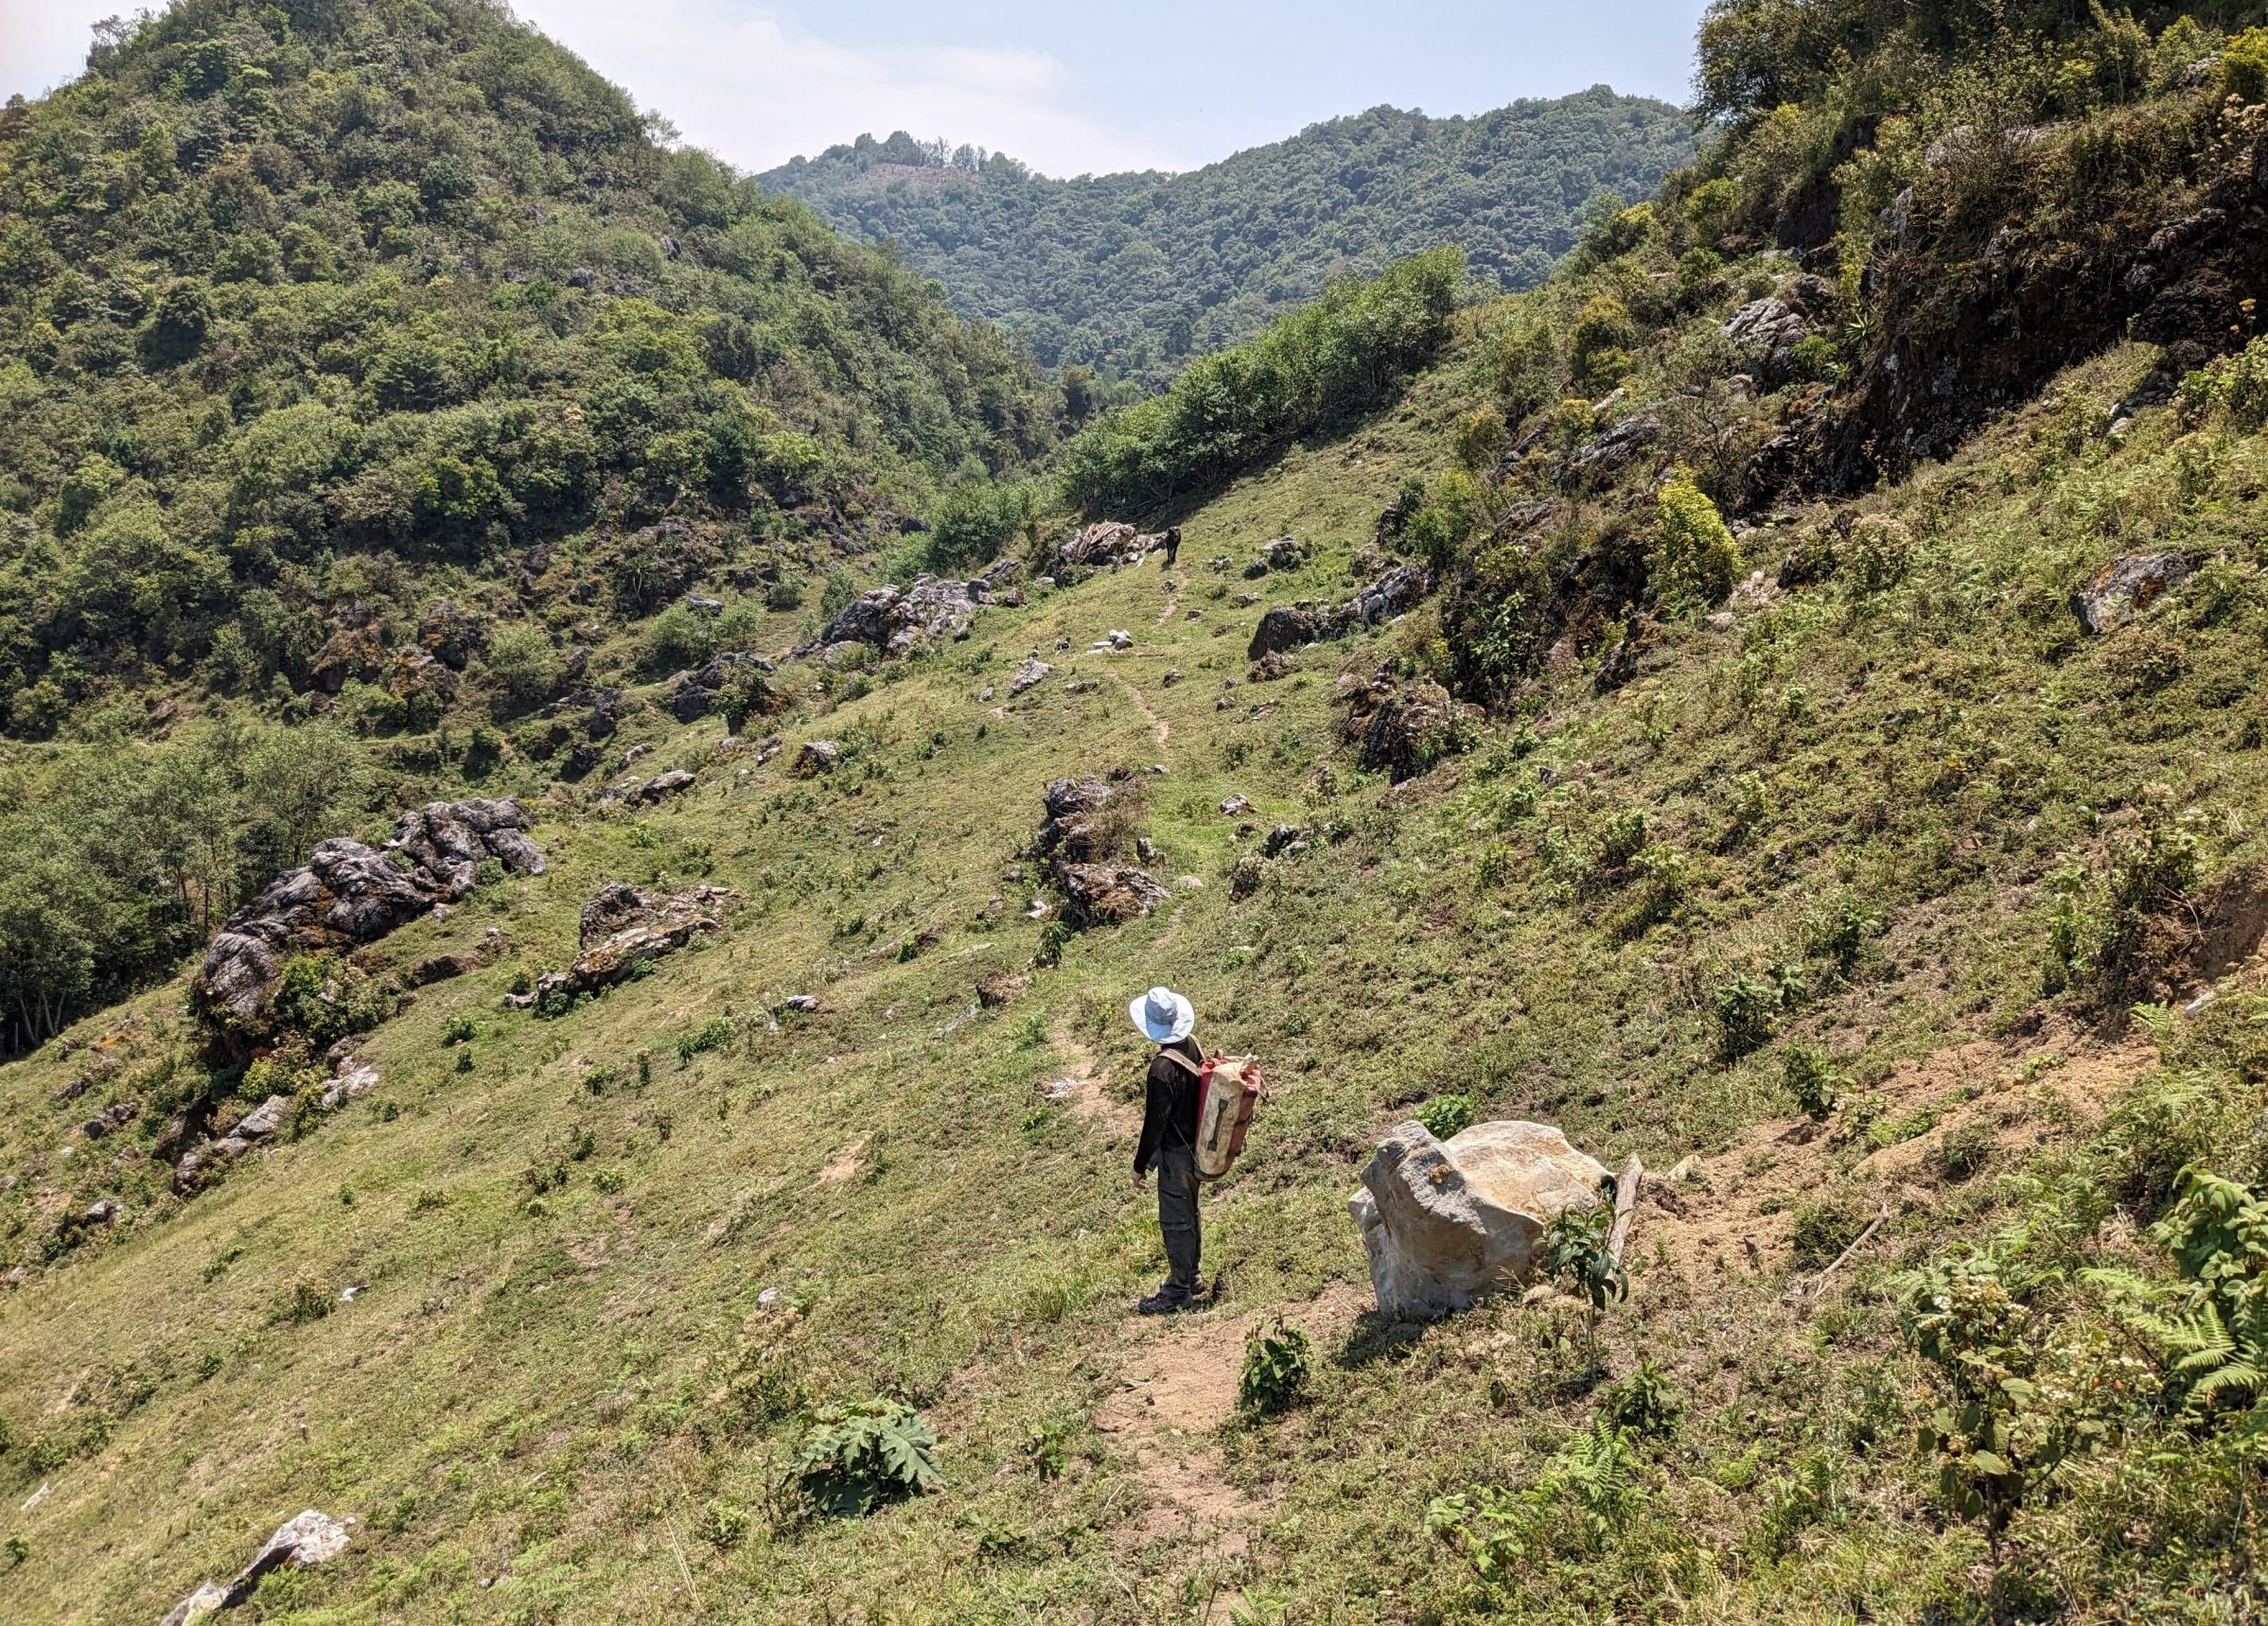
{"x": 1163, "y": 1014}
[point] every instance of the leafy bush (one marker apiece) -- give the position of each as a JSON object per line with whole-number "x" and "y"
{"x": 1585, "y": 1496}
{"x": 1694, "y": 559}
{"x": 855, "y": 1459}
{"x": 1444, "y": 1115}
{"x": 1574, "y": 1252}
{"x": 975, "y": 521}
{"x": 1644, "y": 1403}
{"x": 1815, "y": 1086}
{"x": 714, "y": 1034}
{"x": 1276, "y": 1369}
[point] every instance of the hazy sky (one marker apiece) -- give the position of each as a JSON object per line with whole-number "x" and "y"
{"x": 1064, "y": 86}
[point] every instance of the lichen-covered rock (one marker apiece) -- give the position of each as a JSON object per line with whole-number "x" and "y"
{"x": 1445, "y": 1222}
{"x": 620, "y": 927}
{"x": 348, "y": 894}
{"x": 2126, "y": 587}
{"x": 1106, "y": 894}
{"x": 1400, "y": 729}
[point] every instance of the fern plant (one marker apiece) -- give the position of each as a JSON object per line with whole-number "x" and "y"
{"x": 2212, "y": 1331}
{"x": 1588, "y": 1495}
{"x": 856, "y": 1458}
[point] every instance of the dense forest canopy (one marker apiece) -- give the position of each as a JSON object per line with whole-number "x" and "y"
{"x": 1133, "y": 273}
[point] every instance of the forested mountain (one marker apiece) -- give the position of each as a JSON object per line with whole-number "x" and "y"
{"x": 304, "y": 307}
{"x": 1136, "y": 272}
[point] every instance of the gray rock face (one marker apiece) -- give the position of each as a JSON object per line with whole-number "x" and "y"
{"x": 1030, "y": 674}
{"x": 660, "y": 788}
{"x": 2126, "y": 587}
{"x": 896, "y": 619}
{"x": 1400, "y": 729}
{"x": 1287, "y": 628}
{"x": 1108, "y": 542}
{"x": 1445, "y": 1222}
{"x": 349, "y": 894}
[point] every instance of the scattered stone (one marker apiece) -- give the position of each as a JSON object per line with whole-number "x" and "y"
{"x": 807, "y": 1003}
{"x": 1106, "y": 895}
{"x": 817, "y": 757}
{"x": 2126, "y": 587}
{"x": 1284, "y": 839}
{"x": 696, "y": 693}
{"x": 660, "y": 788}
{"x": 112, "y": 1117}
{"x": 102, "y": 1213}
{"x": 702, "y": 605}
{"x": 440, "y": 968}
{"x": 346, "y": 895}
{"x": 1032, "y": 673}
{"x": 1286, "y": 628}
{"x": 1117, "y": 638}
{"x": 1445, "y": 1222}
{"x": 1170, "y": 677}
{"x": 633, "y": 754}
{"x": 1236, "y": 807}
{"x": 984, "y": 695}
{"x": 1270, "y": 667}
{"x": 352, "y": 1077}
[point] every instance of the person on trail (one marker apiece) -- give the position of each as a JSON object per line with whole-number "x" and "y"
{"x": 1169, "y": 1141}
{"x": 1172, "y": 545}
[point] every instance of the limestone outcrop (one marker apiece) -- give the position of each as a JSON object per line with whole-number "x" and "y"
{"x": 621, "y": 928}
{"x": 310, "y": 1538}
{"x": 1446, "y": 1222}
{"x": 349, "y": 894}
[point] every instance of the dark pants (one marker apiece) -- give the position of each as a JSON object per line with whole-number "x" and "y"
{"x": 1177, "y": 1214}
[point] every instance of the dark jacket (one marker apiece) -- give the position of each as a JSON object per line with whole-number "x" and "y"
{"x": 1170, "y": 1103}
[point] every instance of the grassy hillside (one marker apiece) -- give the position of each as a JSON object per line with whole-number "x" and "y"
{"x": 1134, "y": 274}
{"x": 559, "y": 1391}
{"x": 1762, "y": 794}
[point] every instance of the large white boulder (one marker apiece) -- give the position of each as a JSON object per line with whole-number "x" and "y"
{"x": 1447, "y": 1221}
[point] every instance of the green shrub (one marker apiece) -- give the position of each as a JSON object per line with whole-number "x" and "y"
{"x": 1815, "y": 1086}
{"x": 1694, "y": 559}
{"x": 714, "y": 1034}
{"x": 1596, "y": 346}
{"x": 1586, "y": 1499}
{"x": 1276, "y": 1369}
{"x": 975, "y": 521}
{"x": 1574, "y": 1252}
{"x": 1444, "y": 1115}
{"x": 1334, "y": 358}
{"x": 855, "y": 1459}
{"x": 1642, "y": 1403}
{"x": 1746, "y": 1006}
{"x": 1963, "y": 1151}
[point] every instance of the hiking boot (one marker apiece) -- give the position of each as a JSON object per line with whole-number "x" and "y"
{"x": 1169, "y": 1300}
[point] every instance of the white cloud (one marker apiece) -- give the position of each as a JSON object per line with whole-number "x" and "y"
{"x": 757, "y": 91}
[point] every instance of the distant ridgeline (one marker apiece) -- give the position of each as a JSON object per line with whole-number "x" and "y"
{"x": 1136, "y": 272}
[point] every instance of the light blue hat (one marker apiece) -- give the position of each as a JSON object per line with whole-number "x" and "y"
{"x": 1163, "y": 1015}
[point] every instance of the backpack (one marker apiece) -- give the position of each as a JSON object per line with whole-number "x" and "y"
{"x": 1229, "y": 1091}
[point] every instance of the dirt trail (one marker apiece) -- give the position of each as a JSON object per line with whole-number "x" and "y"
{"x": 1177, "y": 1386}
{"x": 1737, "y": 1210}
{"x": 1158, "y": 726}
{"x": 1087, "y": 1093}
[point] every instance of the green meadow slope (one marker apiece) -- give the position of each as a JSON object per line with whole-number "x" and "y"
{"x": 1827, "y": 767}
{"x": 591, "y": 1298}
